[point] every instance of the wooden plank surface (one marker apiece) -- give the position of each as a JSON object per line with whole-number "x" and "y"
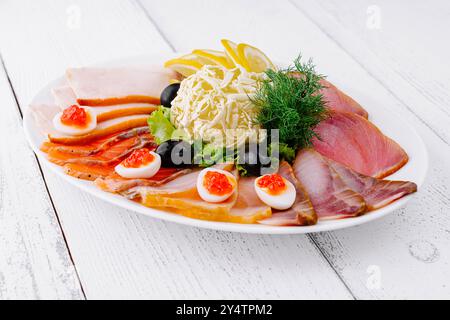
{"x": 34, "y": 260}
{"x": 119, "y": 254}
{"x": 382, "y": 259}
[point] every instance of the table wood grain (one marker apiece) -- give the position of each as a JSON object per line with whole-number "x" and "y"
{"x": 57, "y": 242}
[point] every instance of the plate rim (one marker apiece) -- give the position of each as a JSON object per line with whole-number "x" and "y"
{"x": 123, "y": 203}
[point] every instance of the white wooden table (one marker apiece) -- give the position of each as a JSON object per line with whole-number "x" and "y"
{"x": 57, "y": 242}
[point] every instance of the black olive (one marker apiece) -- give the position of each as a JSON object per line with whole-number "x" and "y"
{"x": 255, "y": 160}
{"x": 168, "y": 94}
{"x": 175, "y": 153}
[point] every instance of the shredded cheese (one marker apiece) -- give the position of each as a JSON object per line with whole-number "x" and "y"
{"x": 214, "y": 105}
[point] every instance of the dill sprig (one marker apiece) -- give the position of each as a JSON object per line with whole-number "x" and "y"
{"x": 289, "y": 100}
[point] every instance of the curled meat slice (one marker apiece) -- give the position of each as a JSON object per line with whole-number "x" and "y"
{"x": 376, "y": 192}
{"x": 301, "y": 213}
{"x": 330, "y": 196}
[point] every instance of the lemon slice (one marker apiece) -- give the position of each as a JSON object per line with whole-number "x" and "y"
{"x": 173, "y": 81}
{"x": 231, "y": 52}
{"x": 194, "y": 57}
{"x": 214, "y": 57}
{"x": 255, "y": 59}
{"x": 183, "y": 66}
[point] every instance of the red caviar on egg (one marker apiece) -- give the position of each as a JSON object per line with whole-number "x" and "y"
{"x": 75, "y": 116}
{"x": 275, "y": 191}
{"x": 138, "y": 158}
{"x": 274, "y": 183}
{"x": 141, "y": 164}
{"x": 215, "y": 185}
{"x": 75, "y": 121}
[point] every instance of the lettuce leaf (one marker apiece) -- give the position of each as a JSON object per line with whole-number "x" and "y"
{"x": 282, "y": 151}
{"x": 160, "y": 126}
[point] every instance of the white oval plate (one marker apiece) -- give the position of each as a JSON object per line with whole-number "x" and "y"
{"x": 390, "y": 123}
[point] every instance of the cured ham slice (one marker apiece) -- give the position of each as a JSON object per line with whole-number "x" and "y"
{"x": 248, "y": 208}
{"x": 122, "y": 110}
{"x": 180, "y": 196}
{"x": 65, "y": 98}
{"x": 376, "y": 192}
{"x": 111, "y": 86}
{"x": 103, "y": 129}
{"x": 301, "y": 213}
{"x": 358, "y": 144}
{"x": 330, "y": 196}
{"x": 180, "y": 187}
{"x": 339, "y": 101}
{"x": 43, "y": 116}
{"x": 189, "y": 203}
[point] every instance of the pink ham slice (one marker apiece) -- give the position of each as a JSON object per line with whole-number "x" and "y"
{"x": 65, "y": 98}
{"x": 339, "y": 101}
{"x": 102, "y": 130}
{"x": 376, "y": 192}
{"x": 185, "y": 185}
{"x": 248, "y": 207}
{"x": 330, "y": 196}
{"x": 358, "y": 144}
{"x": 301, "y": 213}
{"x": 111, "y": 86}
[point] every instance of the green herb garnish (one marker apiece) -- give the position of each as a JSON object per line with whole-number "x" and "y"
{"x": 160, "y": 126}
{"x": 289, "y": 100}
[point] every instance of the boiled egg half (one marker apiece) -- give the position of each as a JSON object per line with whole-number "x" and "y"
{"x": 141, "y": 164}
{"x": 75, "y": 121}
{"x": 215, "y": 185}
{"x": 275, "y": 191}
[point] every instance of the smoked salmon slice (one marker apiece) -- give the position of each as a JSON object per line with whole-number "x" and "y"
{"x": 96, "y": 146}
{"x": 336, "y": 99}
{"x": 87, "y": 172}
{"x": 115, "y": 184}
{"x": 376, "y": 192}
{"x": 301, "y": 213}
{"x": 358, "y": 144}
{"x": 109, "y": 156}
{"x": 111, "y": 86}
{"x": 99, "y": 158}
{"x": 329, "y": 195}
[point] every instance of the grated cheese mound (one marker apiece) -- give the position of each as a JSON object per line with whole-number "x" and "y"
{"x": 214, "y": 105}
